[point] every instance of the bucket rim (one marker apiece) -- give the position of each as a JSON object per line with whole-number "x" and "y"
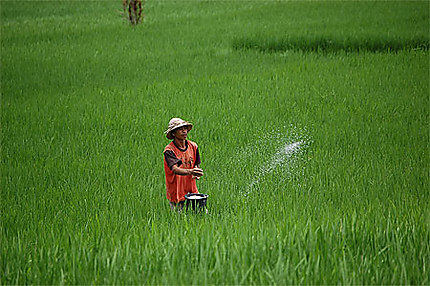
{"x": 201, "y": 196}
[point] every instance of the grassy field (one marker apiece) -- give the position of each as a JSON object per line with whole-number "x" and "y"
{"x": 85, "y": 98}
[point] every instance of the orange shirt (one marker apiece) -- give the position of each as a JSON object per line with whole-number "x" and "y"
{"x": 178, "y": 186}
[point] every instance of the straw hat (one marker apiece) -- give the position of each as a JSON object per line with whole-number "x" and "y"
{"x": 176, "y": 123}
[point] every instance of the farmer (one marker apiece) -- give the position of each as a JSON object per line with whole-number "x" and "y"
{"x": 181, "y": 163}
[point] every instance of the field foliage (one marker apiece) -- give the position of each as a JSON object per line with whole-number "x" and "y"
{"x": 85, "y": 98}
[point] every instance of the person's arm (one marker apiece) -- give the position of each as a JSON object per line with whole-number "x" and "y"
{"x": 173, "y": 163}
{"x": 197, "y": 177}
{"x": 197, "y": 164}
{"x": 196, "y": 171}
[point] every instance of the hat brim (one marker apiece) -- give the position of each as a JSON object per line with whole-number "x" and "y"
{"x": 169, "y": 133}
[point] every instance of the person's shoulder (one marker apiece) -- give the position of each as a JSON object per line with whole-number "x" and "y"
{"x": 193, "y": 144}
{"x": 169, "y": 146}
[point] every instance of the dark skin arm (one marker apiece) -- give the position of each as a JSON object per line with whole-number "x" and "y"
{"x": 195, "y": 172}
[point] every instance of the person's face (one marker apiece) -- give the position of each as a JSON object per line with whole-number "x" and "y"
{"x": 181, "y": 133}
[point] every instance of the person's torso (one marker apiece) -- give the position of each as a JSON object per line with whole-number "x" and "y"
{"x": 187, "y": 155}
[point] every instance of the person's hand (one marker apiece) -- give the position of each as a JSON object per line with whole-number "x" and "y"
{"x": 196, "y": 173}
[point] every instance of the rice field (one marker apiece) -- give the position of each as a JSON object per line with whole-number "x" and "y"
{"x": 312, "y": 120}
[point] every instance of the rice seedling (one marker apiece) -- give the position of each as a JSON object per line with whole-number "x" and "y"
{"x": 82, "y": 183}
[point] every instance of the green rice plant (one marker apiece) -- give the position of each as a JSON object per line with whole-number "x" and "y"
{"x": 82, "y": 183}
{"x": 327, "y": 45}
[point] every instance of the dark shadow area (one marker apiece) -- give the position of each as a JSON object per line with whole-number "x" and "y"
{"x": 328, "y": 45}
